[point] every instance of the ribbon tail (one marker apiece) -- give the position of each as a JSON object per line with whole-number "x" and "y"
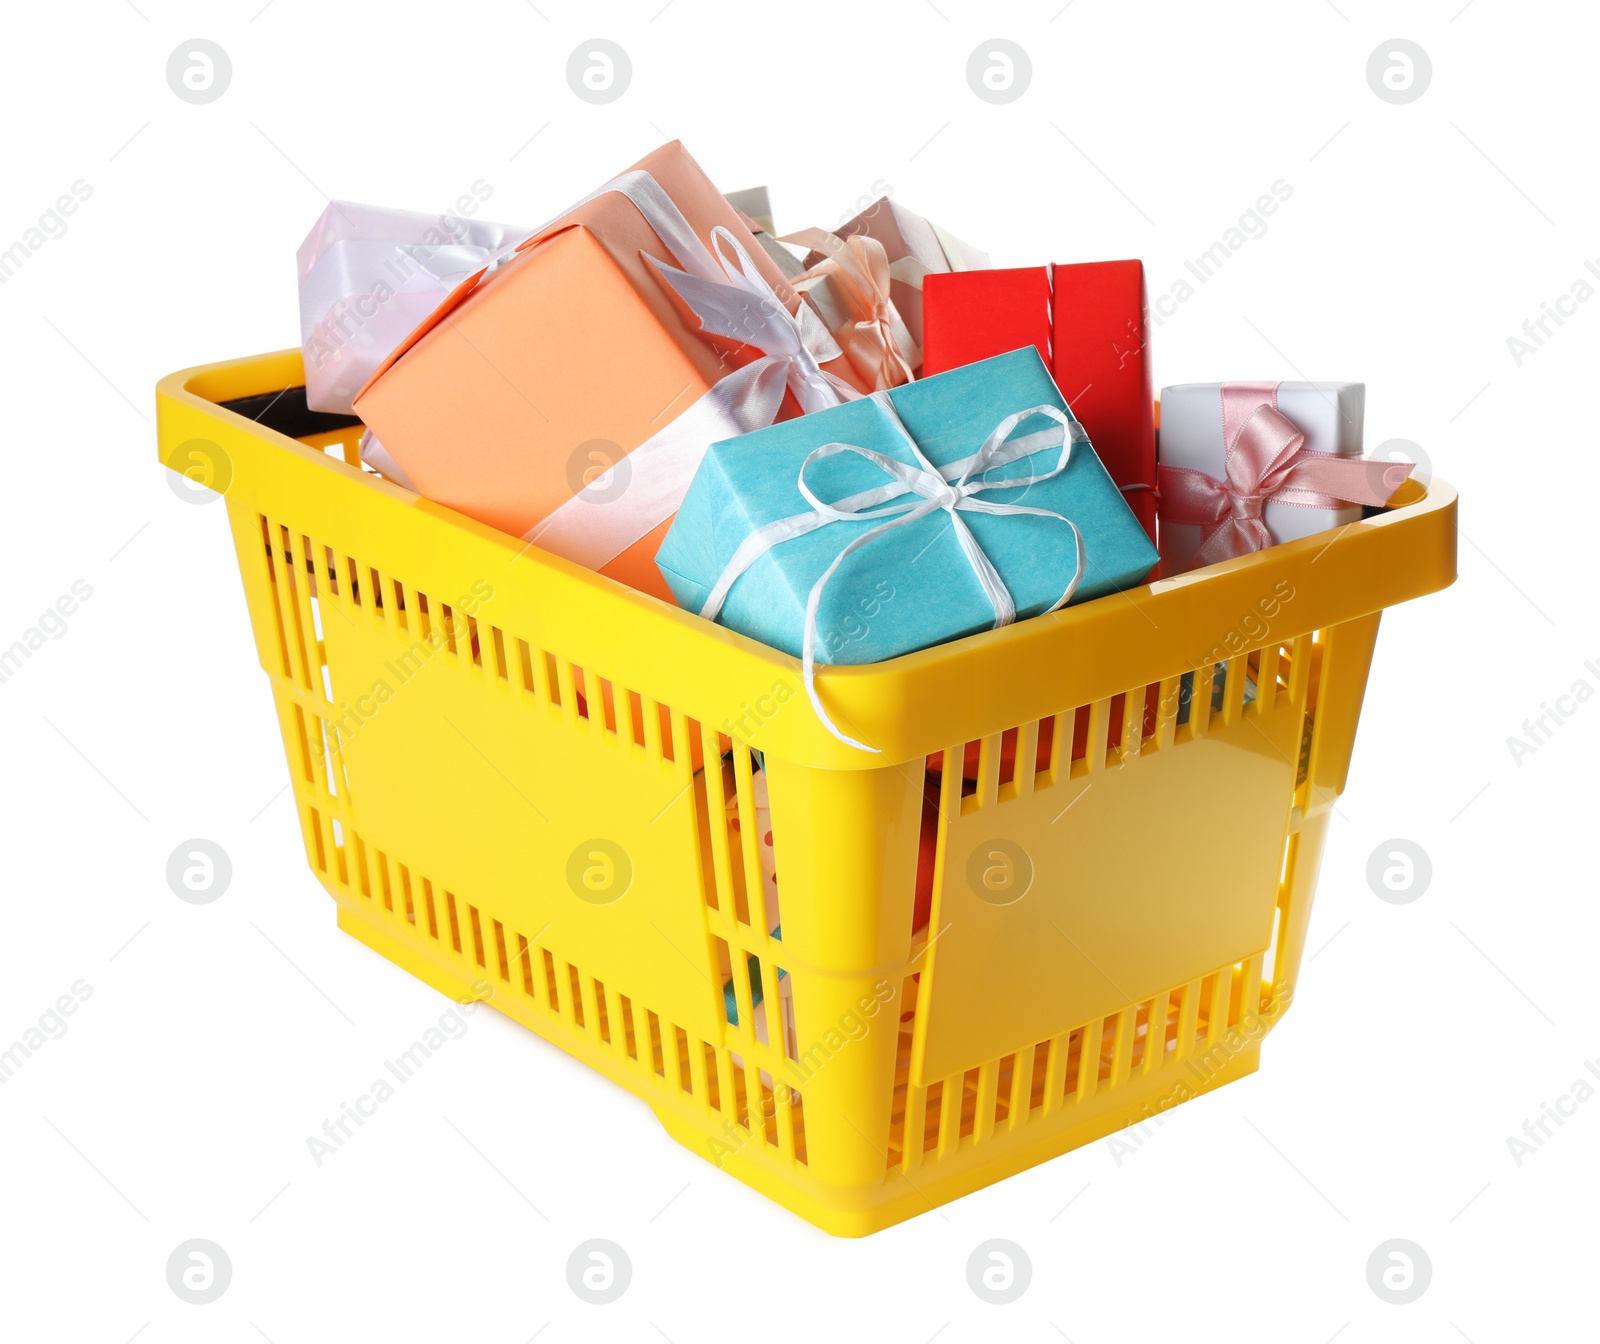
{"x": 815, "y": 336}
{"x": 808, "y": 651}
{"x": 994, "y": 587}
{"x": 869, "y": 355}
{"x": 1315, "y": 477}
{"x": 722, "y": 309}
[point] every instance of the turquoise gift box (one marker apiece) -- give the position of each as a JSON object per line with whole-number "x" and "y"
{"x": 910, "y": 585}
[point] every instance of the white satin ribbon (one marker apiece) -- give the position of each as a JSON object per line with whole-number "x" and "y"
{"x": 600, "y": 522}
{"x": 950, "y": 488}
{"x": 731, "y": 298}
{"x": 742, "y": 306}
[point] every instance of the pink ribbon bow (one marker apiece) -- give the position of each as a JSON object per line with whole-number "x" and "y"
{"x": 875, "y": 339}
{"x": 1266, "y": 458}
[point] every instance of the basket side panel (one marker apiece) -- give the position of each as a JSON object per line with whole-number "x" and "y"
{"x": 1341, "y": 687}
{"x": 1138, "y": 854}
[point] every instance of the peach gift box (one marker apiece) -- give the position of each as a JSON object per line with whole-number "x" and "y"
{"x": 536, "y": 375}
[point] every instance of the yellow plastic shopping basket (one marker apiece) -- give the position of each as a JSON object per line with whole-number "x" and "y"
{"x": 526, "y": 784}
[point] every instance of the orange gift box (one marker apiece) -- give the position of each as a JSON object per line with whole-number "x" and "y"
{"x": 535, "y": 376}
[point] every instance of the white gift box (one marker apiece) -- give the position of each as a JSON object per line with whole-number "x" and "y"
{"x": 1328, "y": 414}
{"x": 369, "y": 276}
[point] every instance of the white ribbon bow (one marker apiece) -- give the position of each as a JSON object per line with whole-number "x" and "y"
{"x": 731, "y": 298}
{"x": 744, "y": 307}
{"x": 913, "y": 492}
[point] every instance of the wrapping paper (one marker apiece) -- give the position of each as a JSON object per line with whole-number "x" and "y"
{"x": 769, "y": 879}
{"x": 532, "y": 383}
{"x": 912, "y": 586}
{"x": 369, "y": 276}
{"x": 769, "y": 862}
{"x": 1088, "y": 322}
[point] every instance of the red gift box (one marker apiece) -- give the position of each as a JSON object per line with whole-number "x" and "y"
{"x": 1088, "y": 322}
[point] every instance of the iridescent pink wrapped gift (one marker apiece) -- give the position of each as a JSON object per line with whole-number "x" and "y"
{"x": 369, "y": 276}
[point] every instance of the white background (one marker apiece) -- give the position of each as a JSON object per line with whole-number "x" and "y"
{"x": 178, "y": 1102}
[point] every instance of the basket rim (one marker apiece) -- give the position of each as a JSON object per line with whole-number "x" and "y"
{"x": 982, "y": 683}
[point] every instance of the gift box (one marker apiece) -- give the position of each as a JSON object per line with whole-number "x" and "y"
{"x": 850, "y": 288}
{"x": 1250, "y": 465}
{"x": 952, "y": 504}
{"x": 755, "y": 204}
{"x": 1088, "y": 322}
{"x": 565, "y": 396}
{"x": 369, "y": 276}
{"x": 847, "y": 283}
{"x": 915, "y": 247}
